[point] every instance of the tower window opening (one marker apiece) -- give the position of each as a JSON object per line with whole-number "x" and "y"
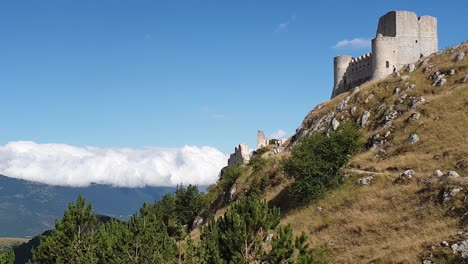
{"x": 387, "y": 64}
{"x": 416, "y": 41}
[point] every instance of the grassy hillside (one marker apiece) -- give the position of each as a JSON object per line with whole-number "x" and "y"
{"x": 389, "y": 221}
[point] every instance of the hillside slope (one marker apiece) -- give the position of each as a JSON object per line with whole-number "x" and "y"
{"x": 409, "y": 123}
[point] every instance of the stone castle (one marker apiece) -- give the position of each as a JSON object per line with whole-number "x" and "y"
{"x": 242, "y": 153}
{"x": 402, "y": 38}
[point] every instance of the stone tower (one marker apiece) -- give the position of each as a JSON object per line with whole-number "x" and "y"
{"x": 262, "y": 140}
{"x": 402, "y": 38}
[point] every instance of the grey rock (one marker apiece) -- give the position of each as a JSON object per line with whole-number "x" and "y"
{"x": 365, "y": 118}
{"x": 397, "y": 90}
{"x": 269, "y": 238}
{"x": 197, "y": 222}
{"x": 353, "y": 110}
{"x": 411, "y": 67}
{"x": 387, "y": 134}
{"x": 445, "y": 244}
{"x": 319, "y": 209}
{"x": 415, "y": 116}
{"x": 459, "y": 57}
{"x": 454, "y": 248}
{"x": 369, "y": 97}
{"x": 335, "y": 124}
{"x": 390, "y": 116}
{"x": 407, "y": 174}
{"x": 375, "y": 141}
{"x": 427, "y": 262}
{"x": 232, "y": 192}
{"x": 437, "y": 174}
{"x": 447, "y": 195}
{"x": 413, "y": 139}
{"x": 365, "y": 181}
{"x": 439, "y": 80}
{"x": 355, "y": 90}
{"x": 428, "y": 68}
{"x": 461, "y": 248}
{"x": 402, "y": 99}
{"x": 405, "y": 77}
{"x": 453, "y": 174}
{"x": 451, "y": 72}
{"x": 418, "y": 101}
{"x": 465, "y": 79}
{"x": 342, "y": 105}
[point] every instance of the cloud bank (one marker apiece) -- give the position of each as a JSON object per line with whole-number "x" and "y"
{"x": 356, "y": 43}
{"x": 65, "y": 165}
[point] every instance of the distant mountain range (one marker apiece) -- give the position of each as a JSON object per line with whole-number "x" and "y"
{"x": 28, "y": 208}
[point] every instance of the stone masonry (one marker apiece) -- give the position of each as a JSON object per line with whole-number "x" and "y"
{"x": 240, "y": 156}
{"x": 402, "y": 38}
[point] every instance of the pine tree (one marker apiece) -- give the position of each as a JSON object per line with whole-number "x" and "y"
{"x": 7, "y": 257}
{"x": 73, "y": 239}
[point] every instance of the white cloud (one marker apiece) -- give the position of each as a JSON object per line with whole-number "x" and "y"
{"x": 355, "y": 43}
{"x": 283, "y": 26}
{"x": 60, "y": 164}
{"x": 280, "y": 134}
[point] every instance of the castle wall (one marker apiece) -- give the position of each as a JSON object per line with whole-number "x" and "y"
{"x": 240, "y": 156}
{"x": 402, "y": 38}
{"x": 350, "y": 72}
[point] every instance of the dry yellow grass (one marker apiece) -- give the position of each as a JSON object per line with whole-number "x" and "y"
{"x": 12, "y": 241}
{"x": 388, "y": 222}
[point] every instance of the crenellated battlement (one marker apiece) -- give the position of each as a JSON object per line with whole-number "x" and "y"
{"x": 401, "y": 38}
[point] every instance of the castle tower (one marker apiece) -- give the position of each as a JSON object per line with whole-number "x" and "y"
{"x": 402, "y": 38}
{"x": 340, "y": 64}
{"x": 262, "y": 140}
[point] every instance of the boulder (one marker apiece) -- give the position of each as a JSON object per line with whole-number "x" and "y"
{"x": 447, "y": 195}
{"x": 461, "y": 248}
{"x": 437, "y": 174}
{"x": 397, "y": 90}
{"x": 402, "y": 98}
{"x": 451, "y": 72}
{"x": 365, "y": 118}
{"x": 418, "y": 101}
{"x": 335, "y": 124}
{"x": 353, "y": 110}
{"x": 375, "y": 141}
{"x": 365, "y": 181}
{"x": 369, "y": 97}
{"x": 406, "y": 175}
{"x": 342, "y": 105}
{"x": 413, "y": 139}
{"x": 459, "y": 57}
{"x": 411, "y": 67}
{"x": 197, "y": 222}
{"x": 415, "y": 116}
{"x": 465, "y": 79}
{"x": 453, "y": 174}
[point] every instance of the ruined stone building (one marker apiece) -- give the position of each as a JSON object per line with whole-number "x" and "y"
{"x": 402, "y": 38}
{"x": 240, "y": 156}
{"x": 262, "y": 140}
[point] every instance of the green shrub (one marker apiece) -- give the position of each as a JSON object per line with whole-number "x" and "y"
{"x": 7, "y": 257}
{"x": 240, "y": 235}
{"x": 257, "y": 163}
{"x": 315, "y": 163}
{"x": 228, "y": 178}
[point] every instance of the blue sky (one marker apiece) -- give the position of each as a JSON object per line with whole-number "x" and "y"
{"x": 173, "y": 73}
